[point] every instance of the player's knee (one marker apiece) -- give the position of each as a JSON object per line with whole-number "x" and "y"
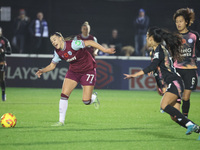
{"x": 87, "y": 102}
{"x": 64, "y": 96}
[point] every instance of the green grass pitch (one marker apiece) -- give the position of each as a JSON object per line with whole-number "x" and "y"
{"x": 126, "y": 120}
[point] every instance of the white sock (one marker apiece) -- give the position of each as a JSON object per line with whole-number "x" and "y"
{"x": 93, "y": 98}
{"x": 189, "y": 123}
{"x": 62, "y": 110}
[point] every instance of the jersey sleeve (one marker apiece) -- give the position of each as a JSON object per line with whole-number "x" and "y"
{"x": 8, "y": 49}
{"x": 77, "y": 44}
{"x": 75, "y": 38}
{"x": 56, "y": 59}
{"x": 95, "y": 39}
{"x": 156, "y": 61}
{"x": 198, "y": 44}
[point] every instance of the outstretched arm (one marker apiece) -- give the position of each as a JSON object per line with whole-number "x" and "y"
{"x": 129, "y": 76}
{"x": 98, "y": 46}
{"x": 48, "y": 68}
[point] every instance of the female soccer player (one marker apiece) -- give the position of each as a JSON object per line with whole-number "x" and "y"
{"x": 85, "y": 35}
{"x": 82, "y": 69}
{"x": 162, "y": 59}
{"x": 187, "y": 68}
{"x": 5, "y": 48}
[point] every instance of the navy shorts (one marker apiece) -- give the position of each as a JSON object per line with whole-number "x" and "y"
{"x": 86, "y": 78}
{"x": 189, "y": 77}
{"x": 176, "y": 87}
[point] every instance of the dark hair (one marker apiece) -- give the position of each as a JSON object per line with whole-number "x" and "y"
{"x": 173, "y": 41}
{"x": 187, "y": 13}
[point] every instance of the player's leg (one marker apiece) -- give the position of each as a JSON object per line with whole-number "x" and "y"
{"x": 89, "y": 98}
{"x": 168, "y": 99}
{"x": 88, "y": 81}
{"x": 186, "y": 102}
{"x": 67, "y": 88}
{"x": 190, "y": 79}
{"x": 177, "y": 105}
{"x": 3, "y": 84}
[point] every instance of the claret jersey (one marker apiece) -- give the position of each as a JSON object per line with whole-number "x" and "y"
{"x": 89, "y": 37}
{"x": 77, "y": 55}
{"x": 191, "y": 44}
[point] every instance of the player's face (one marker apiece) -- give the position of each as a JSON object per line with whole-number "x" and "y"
{"x": 56, "y": 41}
{"x": 149, "y": 43}
{"x": 85, "y": 30}
{"x": 181, "y": 23}
{"x": 0, "y": 31}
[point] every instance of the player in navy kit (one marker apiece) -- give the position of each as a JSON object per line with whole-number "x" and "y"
{"x": 162, "y": 59}
{"x": 5, "y": 48}
{"x": 82, "y": 69}
{"x": 187, "y": 68}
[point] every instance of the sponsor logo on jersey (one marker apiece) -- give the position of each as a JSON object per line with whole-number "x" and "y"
{"x": 78, "y": 43}
{"x": 69, "y": 52}
{"x": 190, "y": 40}
{"x": 183, "y": 41}
{"x": 66, "y": 55}
{"x": 71, "y": 59}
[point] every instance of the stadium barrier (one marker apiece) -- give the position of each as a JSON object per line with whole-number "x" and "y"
{"x": 21, "y": 71}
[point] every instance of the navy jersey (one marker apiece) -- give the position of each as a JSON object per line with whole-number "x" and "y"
{"x": 163, "y": 60}
{"x": 5, "y": 45}
{"x": 191, "y": 45}
{"x": 157, "y": 74}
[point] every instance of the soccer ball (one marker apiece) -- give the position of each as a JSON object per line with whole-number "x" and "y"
{"x": 8, "y": 120}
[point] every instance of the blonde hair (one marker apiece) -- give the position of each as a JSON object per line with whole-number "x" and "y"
{"x": 86, "y": 23}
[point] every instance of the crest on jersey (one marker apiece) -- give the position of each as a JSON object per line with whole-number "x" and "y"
{"x": 69, "y": 52}
{"x": 190, "y": 40}
{"x": 156, "y": 55}
{"x": 78, "y": 43}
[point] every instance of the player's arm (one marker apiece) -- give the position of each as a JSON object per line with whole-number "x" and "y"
{"x": 96, "y": 50}
{"x": 48, "y": 68}
{"x": 146, "y": 70}
{"x": 7, "y": 49}
{"x": 198, "y": 45}
{"x": 98, "y": 46}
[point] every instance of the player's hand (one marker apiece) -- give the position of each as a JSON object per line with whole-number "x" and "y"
{"x": 150, "y": 73}
{"x": 128, "y": 76}
{"x": 110, "y": 50}
{"x": 39, "y": 73}
{"x": 1, "y": 50}
{"x": 160, "y": 92}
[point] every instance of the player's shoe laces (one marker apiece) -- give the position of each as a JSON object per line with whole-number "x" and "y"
{"x": 4, "y": 97}
{"x": 192, "y": 128}
{"x": 57, "y": 124}
{"x": 96, "y": 101}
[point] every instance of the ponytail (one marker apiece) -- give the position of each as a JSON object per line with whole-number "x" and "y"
{"x": 173, "y": 42}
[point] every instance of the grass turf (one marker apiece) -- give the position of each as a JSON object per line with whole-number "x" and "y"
{"x": 125, "y": 120}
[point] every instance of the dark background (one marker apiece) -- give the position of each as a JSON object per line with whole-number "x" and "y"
{"x": 103, "y": 15}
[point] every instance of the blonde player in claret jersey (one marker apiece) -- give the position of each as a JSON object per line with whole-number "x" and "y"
{"x": 82, "y": 69}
